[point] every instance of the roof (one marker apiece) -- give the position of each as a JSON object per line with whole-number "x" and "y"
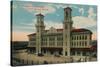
{"x": 74, "y": 30}
{"x": 67, "y": 8}
{"x": 39, "y": 14}
{"x": 80, "y": 30}
{"x": 32, "y": 34}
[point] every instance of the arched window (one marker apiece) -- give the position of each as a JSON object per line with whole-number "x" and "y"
{"x": 66, "y": 14}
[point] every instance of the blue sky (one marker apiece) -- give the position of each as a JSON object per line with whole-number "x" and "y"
{"x": 24, "y": 19}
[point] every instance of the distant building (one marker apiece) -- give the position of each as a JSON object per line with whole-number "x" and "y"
{"x": 64, "y": 42}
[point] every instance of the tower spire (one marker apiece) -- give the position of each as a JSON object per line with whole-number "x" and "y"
{"x": 67, "y": 25}
{"x": 40, "y": 27}
{"x": 67, "y": 14}
{"x": 40, "y": 22}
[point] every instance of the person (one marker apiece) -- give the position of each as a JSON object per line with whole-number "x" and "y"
{"x": 71, "y": 59}
{"x": 45, "y": 62}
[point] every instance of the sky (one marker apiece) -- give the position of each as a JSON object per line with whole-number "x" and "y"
{"x": 24, "y": 17}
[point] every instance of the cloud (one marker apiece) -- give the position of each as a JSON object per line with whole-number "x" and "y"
{"x": 81, "y": 10}
{"x": 94, "y": 36}
{"x": 93, "y": 28}
{"x": 57, "y": 5}
{"x": 62, "y": 6}
{"x": 91, "y": 13}
{"x": 83, "y": 22}
{"x": 28, "y": 7}
{"x": 50, "y": 9}
{"x": 54, "y": 24}
{"x": 44, "y": 9}
{"x": 25, "y": 27}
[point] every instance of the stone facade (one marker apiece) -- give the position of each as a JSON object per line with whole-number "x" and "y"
{"x": 65, "y": 42}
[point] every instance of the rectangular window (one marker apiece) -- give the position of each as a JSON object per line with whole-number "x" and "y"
{"x": 78, "y": 53}
{"x": 75, "y": 44}
{"x": 72, "y": 53}
{"x": 80, "y": 37}
{"x": 66, "y": 53}
{"x": 85, "y": 37}
{"x": 82, "y": 43}
{"x": 74, "y": 37}
{"x": 72, "y": 44}
{"x": 85, "y": 43}
{"x": 77, "y": 37}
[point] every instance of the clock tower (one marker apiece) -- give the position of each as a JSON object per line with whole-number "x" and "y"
{"x": 40, "y": 27}
{"x": 67, "y": 26}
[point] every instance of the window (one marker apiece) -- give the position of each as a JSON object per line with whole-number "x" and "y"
{"x": 80, "y": 37}
{"x": 66, "y": 53}
{"x": 32, "y": 39}
{"x": 72, "y": 53}
{"x": 44, "y": 51}
{"x": 77, "y": 37}
{"x": 77, "y": 43}
{"x": 60, "y": 53}
{"x": 82, "y": 43}
{"x": 51, "y": 52}
{"x": 44, "y": 39}
{"x": 59, "y": 38}
{"x": 66, "y": 14}
{"x": 84, "y": 53}
{"x": 51, "y": 38}
{"x": 32, "y": 43}
{"x": 74, "y": 43}
{"x": 72, "y": 37}
{"x": 85, "y": 43}
{"x": 85, "y": 37}
{"x": 78, "y": 53}
{"x": 60, "y": 43}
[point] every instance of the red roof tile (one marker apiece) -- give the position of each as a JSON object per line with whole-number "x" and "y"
{"x": 74, "y": 30}
{"x": 80, "y": 30}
